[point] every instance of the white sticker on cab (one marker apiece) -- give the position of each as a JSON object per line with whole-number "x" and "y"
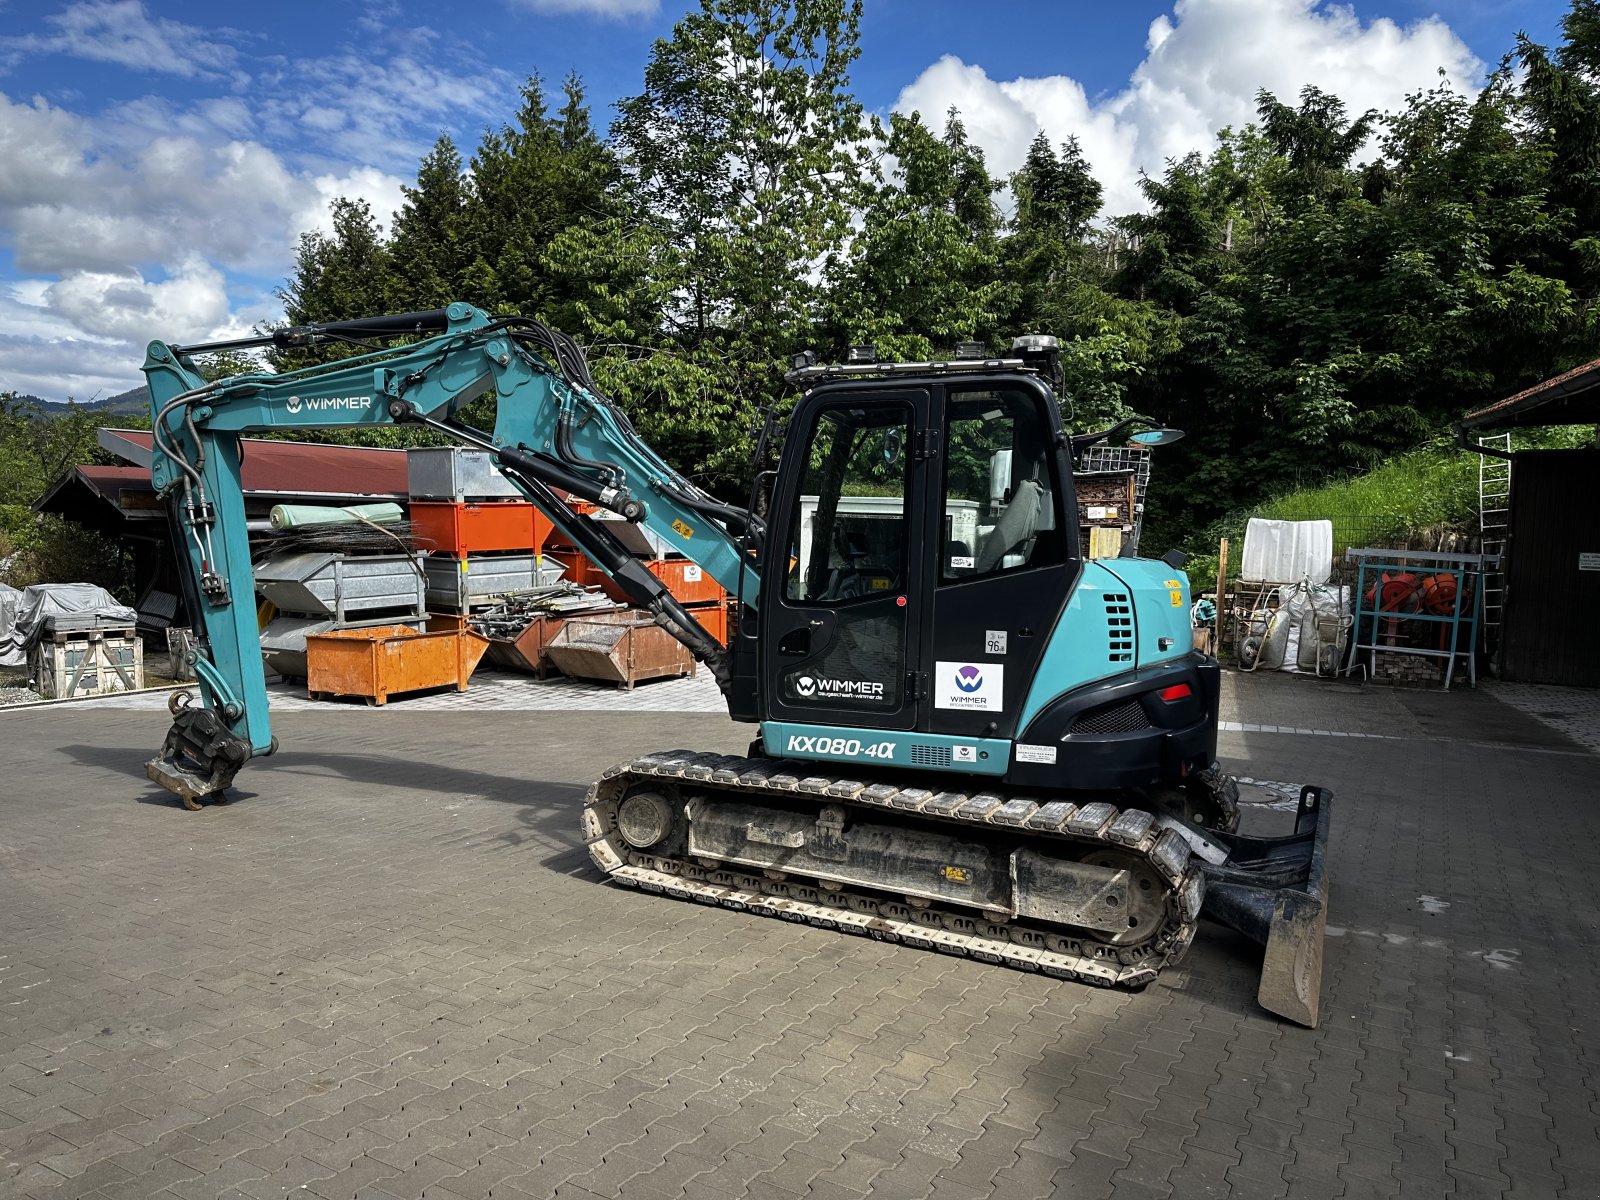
{"x": 1036, "y": 754}
{"x": 978, "y": 687}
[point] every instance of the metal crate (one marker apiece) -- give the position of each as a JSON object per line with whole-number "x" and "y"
{"x": 88, "y": 663}
{"x": 455, "y": 473}
{"x": 460, "y": 584}
{"x": 319, "y": 583}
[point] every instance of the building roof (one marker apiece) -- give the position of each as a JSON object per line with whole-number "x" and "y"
{"x": 1572, "y": 398}
{"x": 304, "y": 469}
{"x": 107, "y": 498}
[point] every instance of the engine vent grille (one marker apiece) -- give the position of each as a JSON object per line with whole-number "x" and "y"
{"x": 930, "y": 756}
{"x": 1125, "y": 716}
{"x": 1119, "y": 626}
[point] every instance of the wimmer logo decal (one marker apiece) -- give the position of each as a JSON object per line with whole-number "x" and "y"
{"x": 294, "y": 404}
{"x": 977, "y": 687}
{"x": 815, "y": 687}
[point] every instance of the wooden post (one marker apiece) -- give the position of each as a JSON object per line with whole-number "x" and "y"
{"x": 1222, "y": 583}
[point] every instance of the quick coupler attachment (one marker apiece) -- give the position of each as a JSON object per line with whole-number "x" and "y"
{"x": 200, "y": 755}
{"x": 1274, "y": 890}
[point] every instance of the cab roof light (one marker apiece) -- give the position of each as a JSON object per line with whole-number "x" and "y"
{"x": 861, "y": 355}
{"x": 806, "y": 358}
{"x": 966, "y": 350}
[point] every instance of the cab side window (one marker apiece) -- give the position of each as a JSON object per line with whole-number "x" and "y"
{"x": 848, "y": 540}
{"x": 1001, "y": 498}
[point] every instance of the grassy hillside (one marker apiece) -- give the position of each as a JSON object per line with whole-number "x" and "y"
{"x": 1413, "y": 498}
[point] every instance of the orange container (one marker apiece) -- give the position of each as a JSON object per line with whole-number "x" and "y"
{"x": 385, "y": 660}
{"x": 688, "y": 583}
{"x": 471, "y": 528}
{"x": 525, "y": 652}
{"x": 714, "y": 617}
{"x": 579, "y": 569}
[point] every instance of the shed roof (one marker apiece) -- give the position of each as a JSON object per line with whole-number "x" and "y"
{"x": 107, "y": 498}
{"x": 1572, "y": 398}
{"x": 307, "y": 469}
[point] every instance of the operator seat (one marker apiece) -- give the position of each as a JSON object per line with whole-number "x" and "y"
{"x": 1016, "y": 525}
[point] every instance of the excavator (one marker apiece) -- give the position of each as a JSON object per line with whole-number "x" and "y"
{"x": 971, "y": 736}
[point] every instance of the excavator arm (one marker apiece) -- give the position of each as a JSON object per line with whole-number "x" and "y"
{"x": 554, "y": 433}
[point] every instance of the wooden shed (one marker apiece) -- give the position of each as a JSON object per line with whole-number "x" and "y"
{"x": 1549, "y": 628}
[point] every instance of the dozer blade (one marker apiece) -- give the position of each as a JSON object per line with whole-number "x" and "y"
{"x": 1275, "y": 891}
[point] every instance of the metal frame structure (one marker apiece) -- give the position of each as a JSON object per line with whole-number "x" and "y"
{"x": 1123, "y": 458}
{"x": 1464, "y": 566}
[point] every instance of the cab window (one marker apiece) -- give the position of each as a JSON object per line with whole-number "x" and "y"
{"x": 848, "y": 537}
{"x": 1000, "y": 499}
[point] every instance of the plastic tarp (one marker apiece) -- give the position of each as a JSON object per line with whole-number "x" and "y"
{"x": 83, "y": 601}
{"x": 12, "y": 652}
{"x": 1287, "y": 551}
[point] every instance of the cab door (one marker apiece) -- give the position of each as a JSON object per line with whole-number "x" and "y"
{"x": 1004, "y": 552}
{"x": 841, "y": 601}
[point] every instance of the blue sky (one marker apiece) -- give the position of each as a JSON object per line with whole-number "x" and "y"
{"x": 159, "y": 160}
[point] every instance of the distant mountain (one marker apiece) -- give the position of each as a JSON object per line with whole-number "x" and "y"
{"x": 134, "y": 400}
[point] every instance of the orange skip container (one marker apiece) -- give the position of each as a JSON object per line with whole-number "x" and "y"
{"x": 386, "y": 660}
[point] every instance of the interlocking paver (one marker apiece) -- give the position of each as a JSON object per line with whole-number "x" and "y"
{"x": 391, "y": 968}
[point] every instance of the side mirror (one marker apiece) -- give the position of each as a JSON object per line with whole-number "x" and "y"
{"x": 1157, "y": 437}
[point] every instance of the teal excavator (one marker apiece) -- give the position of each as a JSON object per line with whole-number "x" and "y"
{"x": 972, "y": 737}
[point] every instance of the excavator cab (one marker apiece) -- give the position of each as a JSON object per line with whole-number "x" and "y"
{"x": 905, "y": 520}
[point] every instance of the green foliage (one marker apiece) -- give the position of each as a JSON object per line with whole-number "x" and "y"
{"x": 1434, "y": 488}
{"x": 38, "y": 447}
{"x": 923, "y": 271}
{"x": 1283, "y": 301}
{"x": 45, "y": 548}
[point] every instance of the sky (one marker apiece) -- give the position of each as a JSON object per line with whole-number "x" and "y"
{"x": 159, "y": 159}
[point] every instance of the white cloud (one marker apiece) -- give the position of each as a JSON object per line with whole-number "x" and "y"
{"x": 125, "y": 306}
{"x": 124, "y": 33}
{"x": 128, "y": 235}
{"x": 80, "y": 195}
{"x": 175, "y": 218}
{"x": 612, "y": 9}
{"x": 1201, "y": 71}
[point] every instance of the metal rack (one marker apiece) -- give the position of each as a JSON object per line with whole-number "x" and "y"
{"x": 1123, "y": 458}
{"x": 1374, "y": 622}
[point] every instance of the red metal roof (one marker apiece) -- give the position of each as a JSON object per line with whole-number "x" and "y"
{"x": 108, "y": 481}
{"x": 1567, "y": 399}
{"x": 303, "y": 468}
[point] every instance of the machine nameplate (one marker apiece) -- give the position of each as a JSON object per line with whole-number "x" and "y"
{"x": 800, "y": 743}
{"x": 1036, "y": 754}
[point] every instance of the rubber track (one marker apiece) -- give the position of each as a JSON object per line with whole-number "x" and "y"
{"x": 949, "y": 929}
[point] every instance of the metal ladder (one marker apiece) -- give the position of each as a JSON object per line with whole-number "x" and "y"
{"x": 1494, "y": 523}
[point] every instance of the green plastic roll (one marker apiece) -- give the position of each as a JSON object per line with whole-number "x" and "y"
{"x": 294, "y": 516}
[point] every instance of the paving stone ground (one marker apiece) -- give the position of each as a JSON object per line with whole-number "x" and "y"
{"x": 388, "y": 970}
